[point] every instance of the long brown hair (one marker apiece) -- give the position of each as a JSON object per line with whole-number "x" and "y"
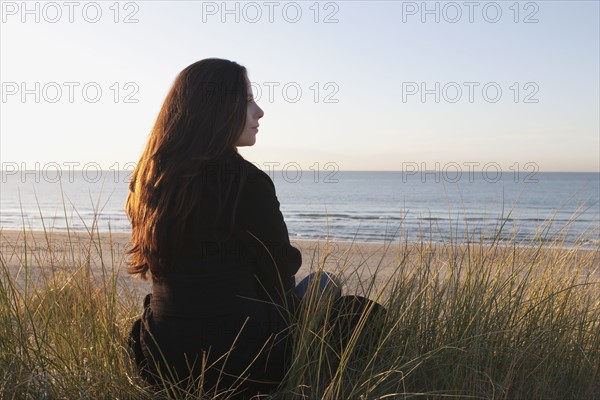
{"x": 200, "y": 120}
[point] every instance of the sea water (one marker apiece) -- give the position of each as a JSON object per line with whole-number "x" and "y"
{"x": 345, "y": 205}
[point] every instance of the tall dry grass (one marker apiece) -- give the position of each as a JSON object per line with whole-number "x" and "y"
{"x": 471, "y": 321}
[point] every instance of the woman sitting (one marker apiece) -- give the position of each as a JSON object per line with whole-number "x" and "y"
{"x": 207, "y": 228}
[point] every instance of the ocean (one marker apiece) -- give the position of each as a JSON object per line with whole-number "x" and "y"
{"x": 348, "y": 205}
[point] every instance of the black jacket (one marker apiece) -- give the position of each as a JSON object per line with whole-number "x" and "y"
{"x": 225, "y": 302}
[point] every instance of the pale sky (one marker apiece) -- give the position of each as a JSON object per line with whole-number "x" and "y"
{"x": 352, "y": 82}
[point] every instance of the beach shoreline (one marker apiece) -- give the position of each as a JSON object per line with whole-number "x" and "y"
{"x": 355, "y": 260}
{"x": 120, "y": 235}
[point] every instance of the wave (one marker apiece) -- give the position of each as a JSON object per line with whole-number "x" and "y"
{"x": 346, "y": 216}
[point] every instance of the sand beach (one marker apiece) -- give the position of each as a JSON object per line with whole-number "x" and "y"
{"x": 52, "y": 253}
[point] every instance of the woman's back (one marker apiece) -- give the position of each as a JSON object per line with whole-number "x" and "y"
{"x": 225, "y": 299}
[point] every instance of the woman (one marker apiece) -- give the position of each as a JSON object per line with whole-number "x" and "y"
{"x": 206, "y": 226}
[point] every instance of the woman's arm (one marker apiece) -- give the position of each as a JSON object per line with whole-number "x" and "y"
{"x": 259, "y": 215}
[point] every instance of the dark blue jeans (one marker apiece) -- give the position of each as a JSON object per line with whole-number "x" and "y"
{"x": 328, "y": 285}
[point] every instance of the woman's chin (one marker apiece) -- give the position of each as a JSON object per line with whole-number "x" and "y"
{"x": 246, "y": 143}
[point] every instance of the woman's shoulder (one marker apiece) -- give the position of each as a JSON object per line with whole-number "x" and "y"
{"x": 253, "y": 174}
{"x": 232, "y": 165}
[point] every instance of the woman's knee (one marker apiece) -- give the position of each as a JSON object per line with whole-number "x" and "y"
{"x": 325, "y": 283}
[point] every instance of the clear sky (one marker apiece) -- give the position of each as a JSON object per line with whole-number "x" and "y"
{"x": 365, "y": 85}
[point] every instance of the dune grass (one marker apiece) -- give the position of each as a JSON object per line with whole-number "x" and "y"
{"x": 463, "y": 321}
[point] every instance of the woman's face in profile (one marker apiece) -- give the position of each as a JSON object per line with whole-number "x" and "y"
{"x": 253, "y": 114}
